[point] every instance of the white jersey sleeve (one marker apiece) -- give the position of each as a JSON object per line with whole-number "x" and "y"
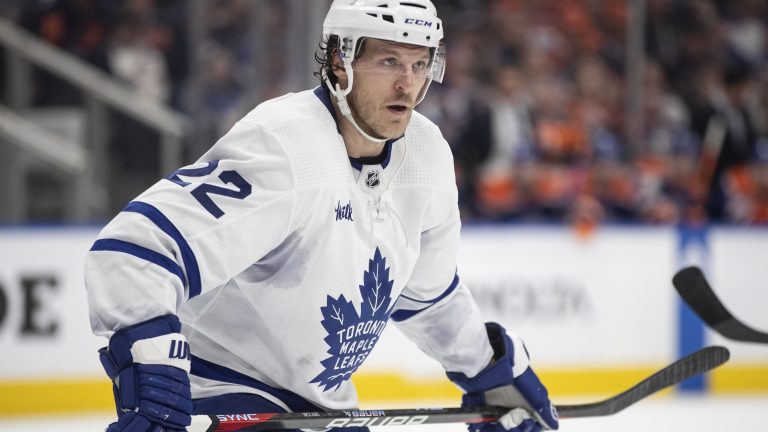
{"x": 220, "y": 214}
{"x": 435, "y": 310}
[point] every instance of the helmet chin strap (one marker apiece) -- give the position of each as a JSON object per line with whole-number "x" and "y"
{"x": 341, "y": 99}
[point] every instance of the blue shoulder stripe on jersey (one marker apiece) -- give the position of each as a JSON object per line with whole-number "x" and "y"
{"x": 162, "y": 222}
{"x": 121, "y": 341}
{"x": 163, "y": 261}
{"x": 216, "y": 372}
{"x": 402, "y": 315}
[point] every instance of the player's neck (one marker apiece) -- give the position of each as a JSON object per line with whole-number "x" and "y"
{"x": 357, "y": 145}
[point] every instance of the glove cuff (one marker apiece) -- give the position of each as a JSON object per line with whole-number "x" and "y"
{"x": 495, "y": 375}
{"x": 121, "y": 343}
{"x": 503, "y": 370}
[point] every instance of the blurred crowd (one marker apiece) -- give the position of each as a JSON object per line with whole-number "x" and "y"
{"x": 537, "y": 103}
{"x": 536, "y": 109}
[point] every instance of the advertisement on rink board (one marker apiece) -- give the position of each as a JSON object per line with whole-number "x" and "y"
{"x": 43, "y": 306}
{"x": 601, "y": 301}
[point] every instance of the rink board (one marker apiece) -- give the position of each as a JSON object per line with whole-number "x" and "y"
{"x": 597, "y": 312}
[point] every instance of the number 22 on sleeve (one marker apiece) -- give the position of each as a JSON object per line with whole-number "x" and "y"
{"x": 203, "y": 192}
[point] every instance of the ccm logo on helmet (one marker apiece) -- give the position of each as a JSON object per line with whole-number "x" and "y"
{"x": 418, "y": 22}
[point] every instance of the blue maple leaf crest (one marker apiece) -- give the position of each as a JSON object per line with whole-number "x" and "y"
{"x": 352, "y": 336}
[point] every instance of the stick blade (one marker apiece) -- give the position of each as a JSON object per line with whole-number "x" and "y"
{"x": 689, "y": 366}
{"x": 694, "y": 289}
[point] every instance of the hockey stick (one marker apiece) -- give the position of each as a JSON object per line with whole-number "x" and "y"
{"x": 693, "y": 287}
{"x": 699, "y": 362}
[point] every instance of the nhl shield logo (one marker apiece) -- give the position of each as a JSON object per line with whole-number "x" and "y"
{"x": 373, "y": 179}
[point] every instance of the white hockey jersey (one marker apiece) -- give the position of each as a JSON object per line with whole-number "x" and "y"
{"x": 285, "y": 259}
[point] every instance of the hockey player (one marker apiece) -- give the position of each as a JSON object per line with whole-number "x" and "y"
{"x": 259, "y": 278}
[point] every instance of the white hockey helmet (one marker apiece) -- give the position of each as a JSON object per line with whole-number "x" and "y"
{"x": 413, "y": 22}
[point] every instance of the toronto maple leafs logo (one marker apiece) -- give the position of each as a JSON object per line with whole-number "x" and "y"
{"x": 352, "y": 336}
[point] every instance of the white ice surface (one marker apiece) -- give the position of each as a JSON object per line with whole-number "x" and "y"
{"x": 674, "y": 414}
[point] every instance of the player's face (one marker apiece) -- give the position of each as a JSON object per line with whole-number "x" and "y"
{"x": 388, "y": 80}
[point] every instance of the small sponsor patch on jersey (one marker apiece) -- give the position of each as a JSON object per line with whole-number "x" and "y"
{"x": 344, "y": 212}
{"x": 372, "y": 179}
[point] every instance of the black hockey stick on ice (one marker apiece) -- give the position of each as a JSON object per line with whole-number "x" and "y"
{"x": 693, "y": 287}
{"x": 694, "y": 364}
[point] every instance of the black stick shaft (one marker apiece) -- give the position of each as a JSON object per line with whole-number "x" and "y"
{"x": 699, "y": 362}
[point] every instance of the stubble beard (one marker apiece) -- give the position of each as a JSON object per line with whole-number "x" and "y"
{"x": 363, "y": 110}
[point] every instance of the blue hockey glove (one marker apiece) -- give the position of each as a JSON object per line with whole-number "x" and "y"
{"x": 149, "y": 367}
{"x": 508, "y": 382}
